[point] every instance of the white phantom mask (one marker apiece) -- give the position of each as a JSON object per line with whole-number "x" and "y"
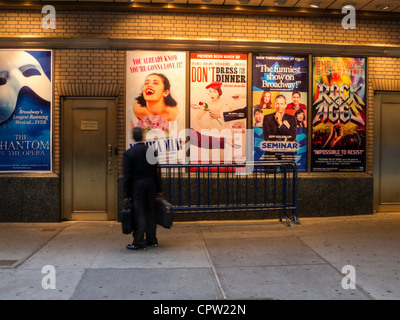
{"x": 19, "y": 69}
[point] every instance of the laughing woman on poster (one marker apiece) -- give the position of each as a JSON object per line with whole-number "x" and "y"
{"x": 155, "y": 101}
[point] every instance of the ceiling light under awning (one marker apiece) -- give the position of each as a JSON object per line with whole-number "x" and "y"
{"x": 315, "y": 4}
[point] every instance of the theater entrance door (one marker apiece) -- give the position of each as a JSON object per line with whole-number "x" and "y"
{"x": 387, "y": 152}
{"x": 88, "y": 158}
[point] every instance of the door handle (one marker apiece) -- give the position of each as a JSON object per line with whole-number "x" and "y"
{"x": 110, "y": 158}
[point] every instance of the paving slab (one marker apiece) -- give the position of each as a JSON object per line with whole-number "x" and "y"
{"x": 18, "y": 241}
{"x": 181, "y": 247}
{"x": 260, "y": 251}
{"x": 300, "y": 282}
{"x": 217, "y": 260}
{"x": 148, "y": 284}
{"x": 26, "y": 284}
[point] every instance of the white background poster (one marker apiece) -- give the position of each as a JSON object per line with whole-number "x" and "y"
{"x": 155, "y": 97}
{"x": 218, "y": 106}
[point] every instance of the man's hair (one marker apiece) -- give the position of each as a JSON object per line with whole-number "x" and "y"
{"x": 256, "y": 110}
{"x": 137, "y": 134}
{"x": 280, "y": 96}
{"x": 296, "y": 92}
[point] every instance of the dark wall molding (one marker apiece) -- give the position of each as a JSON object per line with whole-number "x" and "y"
{"x": 197, "y": 9}
{"x": 98, "y": 89}
{"x": 198, "y": 45}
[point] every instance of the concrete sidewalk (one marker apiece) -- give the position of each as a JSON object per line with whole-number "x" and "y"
{"x": 231, "y": 260}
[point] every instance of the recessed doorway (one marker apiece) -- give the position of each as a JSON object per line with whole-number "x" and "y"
{"x": 88, "y": 158}
{"x": 387, "y": 152}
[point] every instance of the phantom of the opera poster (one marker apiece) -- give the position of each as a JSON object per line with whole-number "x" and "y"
{"x": 25, "y": 110}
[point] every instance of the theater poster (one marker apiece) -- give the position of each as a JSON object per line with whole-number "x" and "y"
{"x": 338, "y": 114}
{"x": 25, "y": 110}
{"x": 155, "y": 99}
{"x": 279, "y": 112}
{"x": 218, "y": 108}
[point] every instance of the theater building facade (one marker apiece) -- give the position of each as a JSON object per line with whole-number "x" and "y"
{"x": 75, "y": 78}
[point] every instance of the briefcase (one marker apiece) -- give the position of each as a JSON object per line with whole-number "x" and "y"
{"x": 164, "y": 215}
{"x": 126, "y": 217}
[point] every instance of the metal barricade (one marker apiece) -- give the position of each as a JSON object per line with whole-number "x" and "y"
{"x": 257, "y": 186}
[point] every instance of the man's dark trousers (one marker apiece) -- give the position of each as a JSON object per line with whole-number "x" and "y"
{"x": 144, "y": 215}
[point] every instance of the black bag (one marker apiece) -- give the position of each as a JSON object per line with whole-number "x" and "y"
{"x": 163, "y": 213}
{"x": 126, "y": 217}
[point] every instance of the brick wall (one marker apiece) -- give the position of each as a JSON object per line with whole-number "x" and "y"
{"x": 88, "y": 67}
{"x": 387, "y": 69}
{"x": 194, "y": 26}
{"x": 99, "y": 66}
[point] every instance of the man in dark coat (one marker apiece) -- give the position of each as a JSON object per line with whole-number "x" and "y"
{"x": 279, "y": 125}
{"x": 141, "y": 184}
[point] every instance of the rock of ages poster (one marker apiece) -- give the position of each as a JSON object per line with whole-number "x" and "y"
{"x": 155, "y": 99}
{"x": 25, "y": 110}
{"x": 279, "y": 112}
{"x": 218, "y": 107}
{"x": 338, "y": 114}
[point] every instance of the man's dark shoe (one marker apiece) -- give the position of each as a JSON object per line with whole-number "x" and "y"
{"x": 153, "y": 245}
{"x": 135, "y": 247}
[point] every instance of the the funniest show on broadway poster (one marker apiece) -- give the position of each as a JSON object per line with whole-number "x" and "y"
{"x": 280, "y": 108}
{"x": 338, "y": 114}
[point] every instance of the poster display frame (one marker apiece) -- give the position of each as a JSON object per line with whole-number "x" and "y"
{"x": 163, "y": 131}
{"x": 308, "y": 167}
{"x": 37, "y": 118}
{"x": 286, "y": 143}
{"x": 342, "y": 153}
{"x": 223, "y": 138}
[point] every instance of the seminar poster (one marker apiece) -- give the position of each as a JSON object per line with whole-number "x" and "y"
{"x": 279, "y": 112}
{"x": 25, "y": 110}
{"x": 218, "y": 110}
{"x": 338, "y": 114}
{"x": 155, "y": 99}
